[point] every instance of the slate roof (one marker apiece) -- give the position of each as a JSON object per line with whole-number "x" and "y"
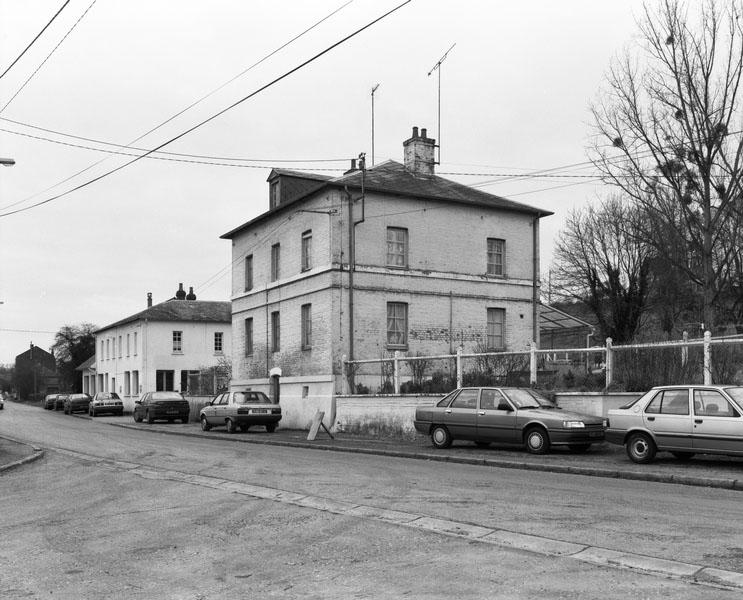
{"x": 392, "y": 178}
{"x": 87, "y": 364}
{"x": 204, "y": 311}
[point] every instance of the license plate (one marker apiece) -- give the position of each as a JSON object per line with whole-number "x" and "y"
{"x": 172, "y": 412}
{"x": 260, "y": 411}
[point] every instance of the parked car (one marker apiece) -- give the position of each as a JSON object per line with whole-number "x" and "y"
{"x": 48, "y": 402}
{"x": 76, "y": 403}
{"x": 681, "y": 419}
{"x": 509, "y": 416}
{"x": 106, "y": 402}
{"x": 59, "y": 401}
{"x": 240, "y": 410}
{"x": 161, "y": 405}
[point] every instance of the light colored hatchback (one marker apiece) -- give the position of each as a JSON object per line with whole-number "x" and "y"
{"x": 106, "y": 402}
{"x": 682, "y": 419}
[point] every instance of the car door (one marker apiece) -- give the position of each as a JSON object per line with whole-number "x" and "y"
{"x": 718, "y": 425}
{"x": 496, "y": 418}
{"x": 668, "y": 417}
{"x": 210, "y": 410}
{"x": 460, "y": 416}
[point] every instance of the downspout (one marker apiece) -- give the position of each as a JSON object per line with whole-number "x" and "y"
{"x": 352, "y": 249}
{"x": 268, "y": 349}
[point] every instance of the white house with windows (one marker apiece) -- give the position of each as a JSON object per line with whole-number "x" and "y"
{"x": 164, "y": 347}
{"x": 391, "y": 258}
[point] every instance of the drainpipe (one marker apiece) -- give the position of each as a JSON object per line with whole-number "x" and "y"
{"x": 352, "y": 249}
{"x": 534, "y": 292}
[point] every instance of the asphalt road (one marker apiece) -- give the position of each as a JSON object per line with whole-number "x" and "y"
{"x": 120, "y": 513}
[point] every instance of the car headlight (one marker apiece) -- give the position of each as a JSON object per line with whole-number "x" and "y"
{"x": 606, "y": 423}
{"x": 573, "y": 424}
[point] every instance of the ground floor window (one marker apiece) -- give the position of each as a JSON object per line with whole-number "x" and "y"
{"x": 496, "y": 328}
{"x": 164, "y": 381}
{"x": 135, "y": 382}
{"x": 127, "y": 383}
{"x": 397, "y": 324}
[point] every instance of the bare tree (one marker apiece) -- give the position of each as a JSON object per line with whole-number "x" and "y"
{"x": 665, "y": 136}
{"x": 601, "y": 263}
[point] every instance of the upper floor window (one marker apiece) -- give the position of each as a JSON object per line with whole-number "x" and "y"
{"x": 307, "y": 250}
{"x": 218, "y": 341}
{"x": 128, "y": 344}
{"x": 496, "y": 256}
{"x": 397, "y": 247}
{"x": 248, "y": 336}
{"x": 103, "y": 354}
{"x": 108, "y": 348}
{"x": 275, "y": 332}
{"x": 306, "y": 330}
{"x": 120, "y": 346}
{"x": 496, "y": 328}
{"x": 274, "y": 197}
{"x": 275, "y": 258}
{"x": 135, "y": 343}
{"x": 248, "y": 272}
{"x": 397, "y": 324}
{"x": 177, "y": 341}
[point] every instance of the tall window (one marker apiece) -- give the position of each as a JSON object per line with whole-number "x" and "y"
{"x": 307, "y": 250}
{"x": 496, "y": 328}
{"x": 103, "y": 354}
{"x": 135, "y": 343}
{"x": 397, "y": 324}
{"x": 108, "y": 348}
{"x": 119, "y": 346}
{"x": 218, "y": 339}
{"x": 248, "y": 272}
{"x": 177, "y": 341}
{"x": 397, "y": 247}
{"x": 248, "y": 336}
{"x": 496, "y": 256}
{"x": 135, "y": 383}
{"x": 275, "y": 256}
{"x": 128, "y": 343}
{"x": 275, "y": 332}
{"x": 274, "y": 197}
{"x": 306, "y": 326}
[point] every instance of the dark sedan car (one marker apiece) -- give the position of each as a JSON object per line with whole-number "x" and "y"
{"x": 48, "y": 401}
{"x": 507, "y": 416}
{"x": 59, "y": 401}
{"x": 76, "y": 403}
{"x": 161, "y": 405}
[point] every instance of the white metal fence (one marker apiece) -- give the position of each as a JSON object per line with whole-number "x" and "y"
{"x": 631, "y": 367}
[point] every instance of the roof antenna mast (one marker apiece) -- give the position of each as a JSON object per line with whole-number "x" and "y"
{"x": 437, "y": 67}
{"x": 374, "y": 89}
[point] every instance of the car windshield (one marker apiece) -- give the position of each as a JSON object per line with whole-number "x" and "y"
{"x": 525, "y": 398}
{"x": 736, "y": 393}
{"x": 251, "y": 398}
{"x": 166, "y": 396}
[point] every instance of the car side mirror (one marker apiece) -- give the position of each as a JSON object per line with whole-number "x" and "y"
{"x": 137, "y": 402}
{"x": 505, "y": 406}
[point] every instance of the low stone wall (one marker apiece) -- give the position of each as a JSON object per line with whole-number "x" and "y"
{"x": 594, "y": 403}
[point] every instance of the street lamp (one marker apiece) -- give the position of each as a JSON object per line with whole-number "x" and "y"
{"x": 7, "y": 162}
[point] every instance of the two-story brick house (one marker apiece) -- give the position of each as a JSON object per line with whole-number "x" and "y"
{"x": 163, "y": 347}
{"x": 378, "y": 260}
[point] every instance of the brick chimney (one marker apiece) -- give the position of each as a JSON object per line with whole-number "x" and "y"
{"x": 190, "y": 295}
{"x": 419, "y": 153}
{"x": 149, "y": 299}
{"x": 181, "y": 293}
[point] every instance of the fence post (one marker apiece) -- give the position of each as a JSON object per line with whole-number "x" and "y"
{"x": 459, "y": 367}
{"x": 396, "y": 372}
{"x": 609, "y": 361}
{"x": 344, "y": 371}
{"x": 685, "y": 349}
{"x": 532, "y": 363}
{"x": 707, "y": 358}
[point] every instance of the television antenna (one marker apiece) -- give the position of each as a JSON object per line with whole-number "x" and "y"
{"x": 437, "y": 67}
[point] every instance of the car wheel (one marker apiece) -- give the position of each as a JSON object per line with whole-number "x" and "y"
{"x": 579, "y": 448}
{"x": 271, "y": 428}
{"x": 137, "y": 418}
{"x": 205, "y": 424}
{"x": 440, "y": 437}
{"x": 149, "y": 417}
{"x": 230, "y": 424}
{"x": 537, "y": 441}
{"x": 640, "y": 448}
{"x": 92, "y": 412}
{"x": 482, "y": 444}
{"x": 683, "y": 455}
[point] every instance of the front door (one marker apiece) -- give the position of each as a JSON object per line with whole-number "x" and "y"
{"x": 494, "y": 422}
{"x": 718, "y": 426}
{"x": 669, "y": 418}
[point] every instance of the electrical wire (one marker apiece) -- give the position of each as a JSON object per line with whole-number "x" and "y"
{"x": 38, "y": 35}
{"x": 216, "y": 115}
{"x": 43, "y": 62}
{"x": 168, "y": 120}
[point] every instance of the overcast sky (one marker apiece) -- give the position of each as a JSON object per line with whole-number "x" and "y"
{"x": 515, "y": 96}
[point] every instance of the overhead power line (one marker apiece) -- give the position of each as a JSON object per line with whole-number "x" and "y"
{"x": 43, "y": 62}
{"x": 38, "y": 35}
{"x": 216, "y": 115}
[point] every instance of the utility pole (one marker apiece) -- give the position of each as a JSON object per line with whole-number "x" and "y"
{"x": 374, "y": 89}
{"x": 437, "y": 67}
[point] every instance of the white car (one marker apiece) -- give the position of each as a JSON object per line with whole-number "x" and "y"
{"x": 106, "y": 402}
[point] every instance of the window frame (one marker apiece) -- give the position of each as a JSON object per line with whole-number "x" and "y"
{"x": 248, "y": 272}
{"x": 492, "y": 254}
{"x": 248, "y": 332}
{"x": 275, "y": 331}
{"x": 177, "y": 341}
{"x": 275, "y": 262}
{"x": 492, "y": 335}
{"x": 391, "y": 250}
{"x": 219, "y": 342}
{"x": 306, "y": 326}
{"x": 306, "y": 251}
{"x": 392, "y": 319}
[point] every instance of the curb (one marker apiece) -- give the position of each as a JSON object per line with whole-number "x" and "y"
{"x": 719, "y": 483}
{"x": 37, "y": 454}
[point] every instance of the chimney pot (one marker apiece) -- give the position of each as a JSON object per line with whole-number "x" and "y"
{"x": 181, "y": 293}
{"x": 149, "y": 299}
{"x": 415, "y": 132}
{"x": 191, "y": 295}
{"x": 419, "y": 152}
{"x": 423, "y": 132}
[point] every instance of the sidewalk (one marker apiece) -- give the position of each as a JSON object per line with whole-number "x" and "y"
{"x": 13, "y": 454}
{"x": 602, "y": 460}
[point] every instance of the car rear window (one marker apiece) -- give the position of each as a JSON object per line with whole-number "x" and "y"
{"x": 167, "y": 396}
{"x": 251, "y": 398}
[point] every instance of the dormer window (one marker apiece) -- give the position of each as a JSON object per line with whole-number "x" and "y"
{"x": 274, "y": 194}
